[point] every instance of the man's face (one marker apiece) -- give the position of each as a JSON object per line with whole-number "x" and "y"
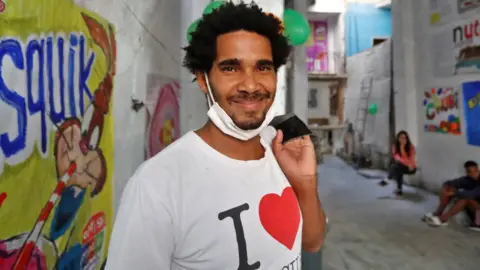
{"x": 473, "y": 172}
{"x": 243, "y": 78}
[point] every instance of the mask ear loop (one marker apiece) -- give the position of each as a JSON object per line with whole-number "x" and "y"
{"x": 210, "y": 99}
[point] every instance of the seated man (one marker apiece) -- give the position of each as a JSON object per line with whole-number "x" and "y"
{"x": 466, "y": 191}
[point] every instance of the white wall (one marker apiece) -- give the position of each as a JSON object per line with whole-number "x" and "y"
{"x": 373, "y": 64}
{"x": 323, "y": 99}
{"x": 441, "y": 156}
{"x": 363, "y": 1}
{"x": 339, "y": 37}
{"x": 383, "y": 3}
{"x": 328, "y": 6}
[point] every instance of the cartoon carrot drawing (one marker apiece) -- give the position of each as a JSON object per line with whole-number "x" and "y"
{"x": 27, "y": 249}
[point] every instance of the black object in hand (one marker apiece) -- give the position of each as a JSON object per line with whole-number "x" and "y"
{"x": 291, "y": 126}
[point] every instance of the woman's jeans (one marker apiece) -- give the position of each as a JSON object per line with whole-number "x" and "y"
{"x": 397, "y": 170}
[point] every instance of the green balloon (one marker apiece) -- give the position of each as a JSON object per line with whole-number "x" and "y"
{"x": 372, "y": 109}
{"x": 210, "y": 7}
{"x": 296, "y": 27}
{"x": 192, "y": 29}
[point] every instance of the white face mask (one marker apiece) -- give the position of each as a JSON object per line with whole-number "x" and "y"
{"x": 221, "y": 119}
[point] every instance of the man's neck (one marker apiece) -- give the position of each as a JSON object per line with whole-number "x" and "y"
{"x": 230, "y": 146}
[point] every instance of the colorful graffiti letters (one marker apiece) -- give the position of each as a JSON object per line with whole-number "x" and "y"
{"x": 441, "y": 110}
{"x": 40, "y": 53}
{"x": 466, "y": 32}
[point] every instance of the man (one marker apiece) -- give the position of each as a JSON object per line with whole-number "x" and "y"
{"x": 466, "y": 191}
{"x": 222, "y": 197}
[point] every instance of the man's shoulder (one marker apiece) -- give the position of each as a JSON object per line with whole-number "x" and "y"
{"x": 177, "y": 150}
{"x": 162, "y": 173}
{"x": 168, "y": 161}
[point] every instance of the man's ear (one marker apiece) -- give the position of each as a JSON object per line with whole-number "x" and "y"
{"x": 202, "y": 83}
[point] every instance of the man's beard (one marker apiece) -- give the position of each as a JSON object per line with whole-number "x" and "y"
{"x": 249, "y": 124}
{"x": 253, "y": 119}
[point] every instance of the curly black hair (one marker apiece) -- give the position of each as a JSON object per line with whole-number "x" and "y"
{"x": 469, "y": 164}
{"x": 230, "y": 17}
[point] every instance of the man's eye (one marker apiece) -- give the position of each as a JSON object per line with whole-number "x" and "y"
{"x": 265, "y": 68}
{"x": 228, "y": 69}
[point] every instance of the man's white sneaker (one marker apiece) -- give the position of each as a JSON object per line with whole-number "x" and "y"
{"x": 427, "y": 216}
{"x": 475, "y": 228}
{"x": 436, "y": 222}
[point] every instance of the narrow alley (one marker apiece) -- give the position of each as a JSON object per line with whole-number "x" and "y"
{"x": 371, "y": 229}
{"x": 92, "y": 92}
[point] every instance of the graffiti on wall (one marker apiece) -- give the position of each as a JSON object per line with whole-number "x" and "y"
{"x": 441, "y": 110}
{"x": 317, "y": 47}
{"x": 466, "y": 38}
{"x": 57, "y": 64}
{"x": 471, "y": 108}
{"x": 467, "y": 5}
{"x": 163, "y": 113}
{"x": 455, "y": 48}
{"x": 448, "y": 11}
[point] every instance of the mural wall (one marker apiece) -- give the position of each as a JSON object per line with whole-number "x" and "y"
{"x": 471, "y": 105}
{"x": 163, "y": 113}
{"x": 441, "y": 110}
{"x": 57, "y": 64}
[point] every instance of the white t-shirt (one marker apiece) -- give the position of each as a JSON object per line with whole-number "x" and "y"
{"x": 190, "y": 207}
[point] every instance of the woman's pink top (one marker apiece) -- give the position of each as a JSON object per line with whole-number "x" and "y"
{"x": 404, "y": 159}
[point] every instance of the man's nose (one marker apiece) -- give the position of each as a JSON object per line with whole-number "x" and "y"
{"x": 249, "y": 82}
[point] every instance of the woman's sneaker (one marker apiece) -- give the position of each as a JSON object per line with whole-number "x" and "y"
{"x": 474, "y": 227}
{"x": 399, "y": 193}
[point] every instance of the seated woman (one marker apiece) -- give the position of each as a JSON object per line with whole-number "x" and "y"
{"x": 403, "y": 153}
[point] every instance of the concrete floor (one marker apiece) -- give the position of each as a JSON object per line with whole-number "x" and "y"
{"x": 371, "y": 229}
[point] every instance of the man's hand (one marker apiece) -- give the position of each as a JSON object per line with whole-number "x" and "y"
{"x": 298, "y": 162}
{"x": 89, "y": 167}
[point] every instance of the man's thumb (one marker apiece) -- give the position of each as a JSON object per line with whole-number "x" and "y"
{"x": 277, "y": 141}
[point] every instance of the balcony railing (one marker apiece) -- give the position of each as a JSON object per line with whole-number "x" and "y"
{"x": 332, "y": 64}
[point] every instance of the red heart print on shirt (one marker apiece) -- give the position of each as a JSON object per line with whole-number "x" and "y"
{"x": 280, "y": 216}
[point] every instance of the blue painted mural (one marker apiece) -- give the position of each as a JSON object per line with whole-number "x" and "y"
{"x": 363, "y": 22}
